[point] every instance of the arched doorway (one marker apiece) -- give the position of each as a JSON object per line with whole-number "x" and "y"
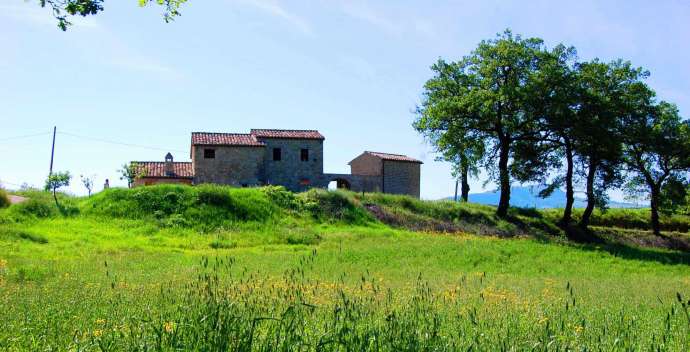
{"x": 339, "y": 183}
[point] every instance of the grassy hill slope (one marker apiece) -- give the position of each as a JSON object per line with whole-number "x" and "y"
{"x": 217, "y": 268}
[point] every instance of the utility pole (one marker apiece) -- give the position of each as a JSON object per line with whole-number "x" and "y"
{"x": 455, "y": 199}
{"x": 52, "y": 152}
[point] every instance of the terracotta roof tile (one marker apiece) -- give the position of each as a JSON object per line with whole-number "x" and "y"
{"x": 157, "y": 169}
{"x": 240, "y": 139}
{"x": 287, "y": 134}
{"x": 394, "y": 157}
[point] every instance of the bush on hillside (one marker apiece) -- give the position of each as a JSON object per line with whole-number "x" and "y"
{"x": 4, "y": 199}
{"x": 205, "y": 206}
{"x": 40, "y": 204}
{"x": 39, "y": 208}
{"x": 284, "y": 198}
{"x": 335, "y": 206}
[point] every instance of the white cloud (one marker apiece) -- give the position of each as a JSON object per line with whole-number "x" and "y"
{"x": 274, "y": 8}
{"x": 400, "y": 24}
{"x": 362, "y": 11}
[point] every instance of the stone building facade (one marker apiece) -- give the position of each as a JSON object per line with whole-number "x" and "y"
{"x": 291, "y": 158}
{"x": 395, "y": 173}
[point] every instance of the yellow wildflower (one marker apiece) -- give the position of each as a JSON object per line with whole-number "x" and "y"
{"x": 578, "y": 329}
{"x": 97, "y": 332}
{"x": 168, "y": 327}
{"x": 100, "y": 321}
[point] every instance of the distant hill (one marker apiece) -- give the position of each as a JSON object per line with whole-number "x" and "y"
{"x": 529, "y": 197}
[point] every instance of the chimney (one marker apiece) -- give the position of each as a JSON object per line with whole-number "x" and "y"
{"x": 169, "y": 170}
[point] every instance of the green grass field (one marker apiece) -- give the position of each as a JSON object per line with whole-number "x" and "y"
{"x": 213, "y": 268}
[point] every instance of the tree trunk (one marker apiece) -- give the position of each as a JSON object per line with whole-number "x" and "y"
{"x": 465, "y": 189}
{"x": 569, "y": 193}
{"x": 455, "y": 198}
{"x": 55, "y": 197}
{"x": 591, "y": 172}
{"x": 504, "y": 176}
{"x": 654, "y": 205}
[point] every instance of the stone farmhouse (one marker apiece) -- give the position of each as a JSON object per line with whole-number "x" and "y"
{"x": 290, "y": 158}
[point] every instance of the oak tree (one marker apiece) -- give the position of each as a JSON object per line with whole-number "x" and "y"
{"x": 657, "y": 153}
{"x": 484, "y": 97}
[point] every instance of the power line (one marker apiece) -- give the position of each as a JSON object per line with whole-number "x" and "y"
{"x": 119, "y": 143}
{"x": 2, "y": 182}
{"x": 24, "y": 136}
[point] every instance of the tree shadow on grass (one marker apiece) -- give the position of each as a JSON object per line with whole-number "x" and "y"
{"x": 593, "y": 241}
{"x": 667, "y": 257}
{"x": 669, "y": 250}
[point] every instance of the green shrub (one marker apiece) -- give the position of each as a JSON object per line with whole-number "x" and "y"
{"x": 335, "y": 206}
{"x": 36, "y": 207}
{"x": 4, "y": 199}
{"x": 284, "y": 198}
{"x": 204, "y": 206}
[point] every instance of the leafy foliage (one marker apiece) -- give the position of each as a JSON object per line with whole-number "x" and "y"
{"x": 63, "y": 9}
{"x": 479, "y": 108}
{"x": 56, "y": 181}
{"x": 130, "y": 172}
{"x": 87, "y": 181}
{"x": 4, "y": 199}
{"x": 520, "y": 110}
{"x": 657, "y": 152}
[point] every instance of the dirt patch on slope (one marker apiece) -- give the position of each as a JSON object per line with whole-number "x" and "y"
{"x": 17, "y": 199}
{"x": 414, "y": 222}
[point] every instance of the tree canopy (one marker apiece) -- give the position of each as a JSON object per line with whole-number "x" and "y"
{"x": 64, "y": 9}
{"x": 526, "y": 113}
{"x": 482, "y": 102}
{"x": 657, "y": 153}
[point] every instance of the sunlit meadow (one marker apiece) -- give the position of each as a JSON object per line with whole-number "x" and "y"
{"x": 211, "y": 268}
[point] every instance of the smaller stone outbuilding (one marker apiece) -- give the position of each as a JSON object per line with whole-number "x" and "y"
{"x": 396, "y": 174}
{"x": 154, "y": 172}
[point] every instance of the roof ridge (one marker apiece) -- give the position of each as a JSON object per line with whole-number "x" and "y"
{"x": 160, "y": 162}
{"x": 233, "y": 133}
{"x": 392, "y": 157}
{"x": 371, "y": 151}
{"x": 282, "y": 129}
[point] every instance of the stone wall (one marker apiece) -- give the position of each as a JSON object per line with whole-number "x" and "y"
{"x": 366, "y": 164}
{"x": 148, "y": 181}
{"x": 291, "y": 172}
{"x": 401, "y": 177}
{"x": 232, "y": 165}
{"x": 357, "y": 183}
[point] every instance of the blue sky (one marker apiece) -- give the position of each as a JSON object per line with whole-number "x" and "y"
{"x": 354, "y": 70}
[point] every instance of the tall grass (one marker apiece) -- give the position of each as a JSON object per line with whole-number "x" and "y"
{"x": 4, "y": 199}
{"x": 227, "y": 308}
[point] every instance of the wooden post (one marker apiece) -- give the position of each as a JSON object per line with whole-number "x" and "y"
{"x": 455, "y": 199}
{"x": 52, "y": 152}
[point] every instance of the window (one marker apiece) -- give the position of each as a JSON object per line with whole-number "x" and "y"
{"x": 277, "y": 155}
{"x": 209, "y": 153}
{"x": 304, "y": 154}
